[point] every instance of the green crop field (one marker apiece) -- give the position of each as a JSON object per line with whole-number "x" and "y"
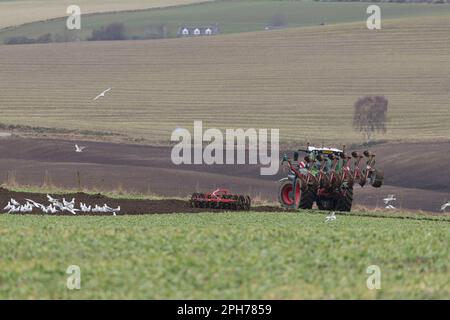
{"x": 233, "y": 16}
{"x": 229, "y": 255}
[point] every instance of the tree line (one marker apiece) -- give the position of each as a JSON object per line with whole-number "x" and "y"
{"x": 113, "y": 31}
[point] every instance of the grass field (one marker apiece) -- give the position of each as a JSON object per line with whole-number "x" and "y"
{"x": 231, "y": 256}
{"x": 301, "y": 80}
{"x": 17, "y": 12}
{"x": 233, "y": 16}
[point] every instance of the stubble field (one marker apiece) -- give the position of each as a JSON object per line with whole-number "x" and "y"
{"x": 17, "y": 12}
{"x": 301, "y": 80}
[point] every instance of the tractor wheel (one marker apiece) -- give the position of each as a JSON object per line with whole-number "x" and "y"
{"x": 345, "y": 200}
{"x": 308, "y": 198}
{"x": 241, "y": 203}
{"x": 193, "y": 201}
{"x": 378, "y": 177}
{"x": 298, "y": 194}
{"x": 286, "y": 193}
{"x": 325, "y": 200}
{"x": 248, "y": 203}
{"x": 325, "y": 203}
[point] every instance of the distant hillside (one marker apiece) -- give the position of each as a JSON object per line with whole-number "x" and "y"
{"x": 230, "y": 16}
{"x": 303, "y": 81}
{"x": 17, "y": 12}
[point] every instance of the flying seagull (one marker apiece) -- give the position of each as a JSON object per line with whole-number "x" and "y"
{"x": 445, "y": 206}
{"x": 79, "y": 149}
{"x": 102, "y": 94}
{"x": 331, "y": 217}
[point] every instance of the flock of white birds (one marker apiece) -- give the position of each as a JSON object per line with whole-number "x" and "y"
{"x": 56, "y": 205}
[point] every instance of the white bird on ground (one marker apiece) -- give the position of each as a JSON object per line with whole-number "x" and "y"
{"x": 26, "y": 208}
{"x": 97, "y": 208}
{"x": 102, "y": 94}
{"x": 331, "y": 217}
{"x": 14, "y": 202}
{"x": 34, "y": 203}
{"x": 8, "y": 206}
{"x": 113, "y": 210}
{"x": 69, "y": 204}
{"x": 79, "y": 149}
{"x": 70, "y": 209}
{"x": 47, "y": 209}
{"x": 51, "y": 209}
{"x": 445, "y": 206}
{"x": 58, "y": 205}
{"x": 50, "y": 199}
{"x": 389, "y": 198}
{"x": 84, "y": 207}
{"x": 14, "y": 209}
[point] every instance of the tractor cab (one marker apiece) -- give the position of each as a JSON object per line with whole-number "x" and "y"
{"x": 315, "y": 156}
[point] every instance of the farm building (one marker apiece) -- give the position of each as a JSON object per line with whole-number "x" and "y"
{"x": 193, "y": 31}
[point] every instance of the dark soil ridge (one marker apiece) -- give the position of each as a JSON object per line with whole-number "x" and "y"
{"x": 127, "y": 206}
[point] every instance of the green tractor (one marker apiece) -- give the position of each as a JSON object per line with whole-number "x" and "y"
{"x": 326, "y": 176}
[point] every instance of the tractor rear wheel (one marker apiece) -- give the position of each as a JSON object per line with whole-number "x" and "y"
{"x": 308, "y": 198}
{"x": 325, "y": 203}
{"x": 291, "y": 197}
{"x": 345, "y": 200}
{"x": 286, "y": 193}
{"x": 298, "y": 194}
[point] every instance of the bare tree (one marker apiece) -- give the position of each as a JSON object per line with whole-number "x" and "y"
{"x": 370, "y": 116}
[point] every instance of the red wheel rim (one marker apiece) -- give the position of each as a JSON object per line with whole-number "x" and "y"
{"x": 286, "y": 195}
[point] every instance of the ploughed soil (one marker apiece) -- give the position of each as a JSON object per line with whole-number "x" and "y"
{"x": 418, "y": 174}
{"x": 127, "y": 206}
